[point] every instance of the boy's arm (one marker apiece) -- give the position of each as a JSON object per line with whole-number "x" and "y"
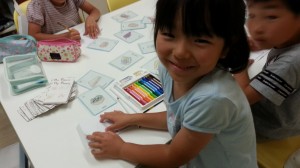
{"x": 35, "y": 31}
{"x": 243, "y": 80}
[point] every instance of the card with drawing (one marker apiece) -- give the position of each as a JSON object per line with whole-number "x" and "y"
{"x": 96, "y": 100}
{"x": 147, "y": 47}
{"x": 58, "y": 92}
{"x": 128, "y": 36}
{"x": 35, "y": 106}
{"x": 152, "y": 65}
{"x": 88, "y": 127}
{"x": 124, "y": 16}
{"x": 94, "y": 79}
{"x": 132, "y": 25}
{"x": 148, "y": 20}
{"x": 125, "y": 60}
{"x": 103, "y": 44}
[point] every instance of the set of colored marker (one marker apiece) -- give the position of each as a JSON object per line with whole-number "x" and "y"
{"x": 143, "y": 91}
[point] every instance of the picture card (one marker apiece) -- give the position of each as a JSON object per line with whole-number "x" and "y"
{"x": 103, "y": 44}
{"x": 126, "y": 60}
{"x": 147, "y": 47}
{"x": 124, "y": 16}
{"x": 35, "y": 107}
{"x": 128, "y": 36}
{"x": 152, "y": 65}
{"x": 132, "y": 25}
{"x": 59, "y": 90}
{"x": 148, "y": 20}
{"x": 96, "y": 100}
{"x": 88, "y": 127}
{"x": 94, "y": 79}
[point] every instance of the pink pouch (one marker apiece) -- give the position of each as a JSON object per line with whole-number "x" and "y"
{"x": 59, "y": 50}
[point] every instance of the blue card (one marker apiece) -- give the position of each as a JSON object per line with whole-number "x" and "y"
{"x": 152, "y": 65}
{"x": 103, "y": 44}
{"x": 128, "y": 36}
{"x": 94, "y": 79}
{"x": 147, "y": 47}
{"x": 148, "y": 20}
{"x": 125, "y": 60}
{"x": 96, "y": 100}
{"x": 124, "y": 16}
{"x": 132, "y": 25}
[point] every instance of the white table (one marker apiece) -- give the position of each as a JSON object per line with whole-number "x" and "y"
{"x": 51, "y": 140}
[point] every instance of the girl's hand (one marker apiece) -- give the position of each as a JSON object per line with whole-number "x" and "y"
{"x": 74, "y": 35}
{"x": 91, "y": 28}
{"x": 105, "y": 145}
{"x": 118, "y": 119}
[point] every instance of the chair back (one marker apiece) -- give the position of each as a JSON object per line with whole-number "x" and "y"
{"x": 275, "y": 153}
{"x": 116, "y": 4}
{"x": 21, "y": 8}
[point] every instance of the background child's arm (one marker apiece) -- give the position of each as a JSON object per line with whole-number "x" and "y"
{"x": 243, "y": 80}
{"x": 91, "y": 26}
{"x": 35, "y": 31}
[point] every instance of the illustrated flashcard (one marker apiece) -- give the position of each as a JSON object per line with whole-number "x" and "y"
{"x": 94, "y": 79}
{"x": 124, "y": 16}
{"x": 125, "y": 60}
{"x": 152, "y": 65}
{"x": 131, "y": 25}
{"x": 148, "y": 20}
{"x": 147, "y": 47}
{"x": 96, "y": 100}
{"x": 103, "y": 44}
{"x": 129, "y": 36}
{"x": 58, "y": 92}
{"x": 35, "y": 107}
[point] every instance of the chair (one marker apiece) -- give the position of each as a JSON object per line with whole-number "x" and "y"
{"x": 274, "y": 154}
{"x": 23, "y": 8}
{"x": 116, "y": 4}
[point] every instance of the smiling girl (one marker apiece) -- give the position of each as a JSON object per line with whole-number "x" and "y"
{"x": 199, "y": 42}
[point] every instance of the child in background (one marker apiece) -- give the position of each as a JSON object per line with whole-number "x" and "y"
{"x": 274, "y": 93}
{"x": 199, "y": 42}
{"x": 46, "y": 17}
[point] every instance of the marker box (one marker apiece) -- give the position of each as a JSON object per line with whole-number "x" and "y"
{"x": 142, "y": 89}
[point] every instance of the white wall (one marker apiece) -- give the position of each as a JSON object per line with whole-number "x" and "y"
{"x": 100, "y": 4}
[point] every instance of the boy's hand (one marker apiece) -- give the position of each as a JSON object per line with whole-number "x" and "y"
{"x": 74, "y": 35}
{"x": 252, "y": 45}
{"x": 91, "y": 28}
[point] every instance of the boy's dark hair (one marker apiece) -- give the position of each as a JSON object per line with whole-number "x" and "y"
{"x": 223, "y": 18}
{"x": 292, "y": 5}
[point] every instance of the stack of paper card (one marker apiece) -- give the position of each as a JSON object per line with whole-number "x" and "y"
{"x": 59, "y": 91}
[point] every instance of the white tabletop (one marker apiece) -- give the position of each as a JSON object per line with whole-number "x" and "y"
{"x": 51, "y": 140}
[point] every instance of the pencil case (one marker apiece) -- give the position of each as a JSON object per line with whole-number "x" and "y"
{"x": 24, "y": 73}
{"x": 59, "y": 50}
{"x": 16, "y": 45}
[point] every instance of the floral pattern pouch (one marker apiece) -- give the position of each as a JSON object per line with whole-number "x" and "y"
{"x": 59, "y": 50}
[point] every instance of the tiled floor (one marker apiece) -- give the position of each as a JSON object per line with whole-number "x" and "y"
{"x": 9, "y": 146}
{"x": 7, "y": 133}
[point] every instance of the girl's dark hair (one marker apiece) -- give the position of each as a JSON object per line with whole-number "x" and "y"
{"x": 292, "y": 5}
{"x": 223, "y": 18}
